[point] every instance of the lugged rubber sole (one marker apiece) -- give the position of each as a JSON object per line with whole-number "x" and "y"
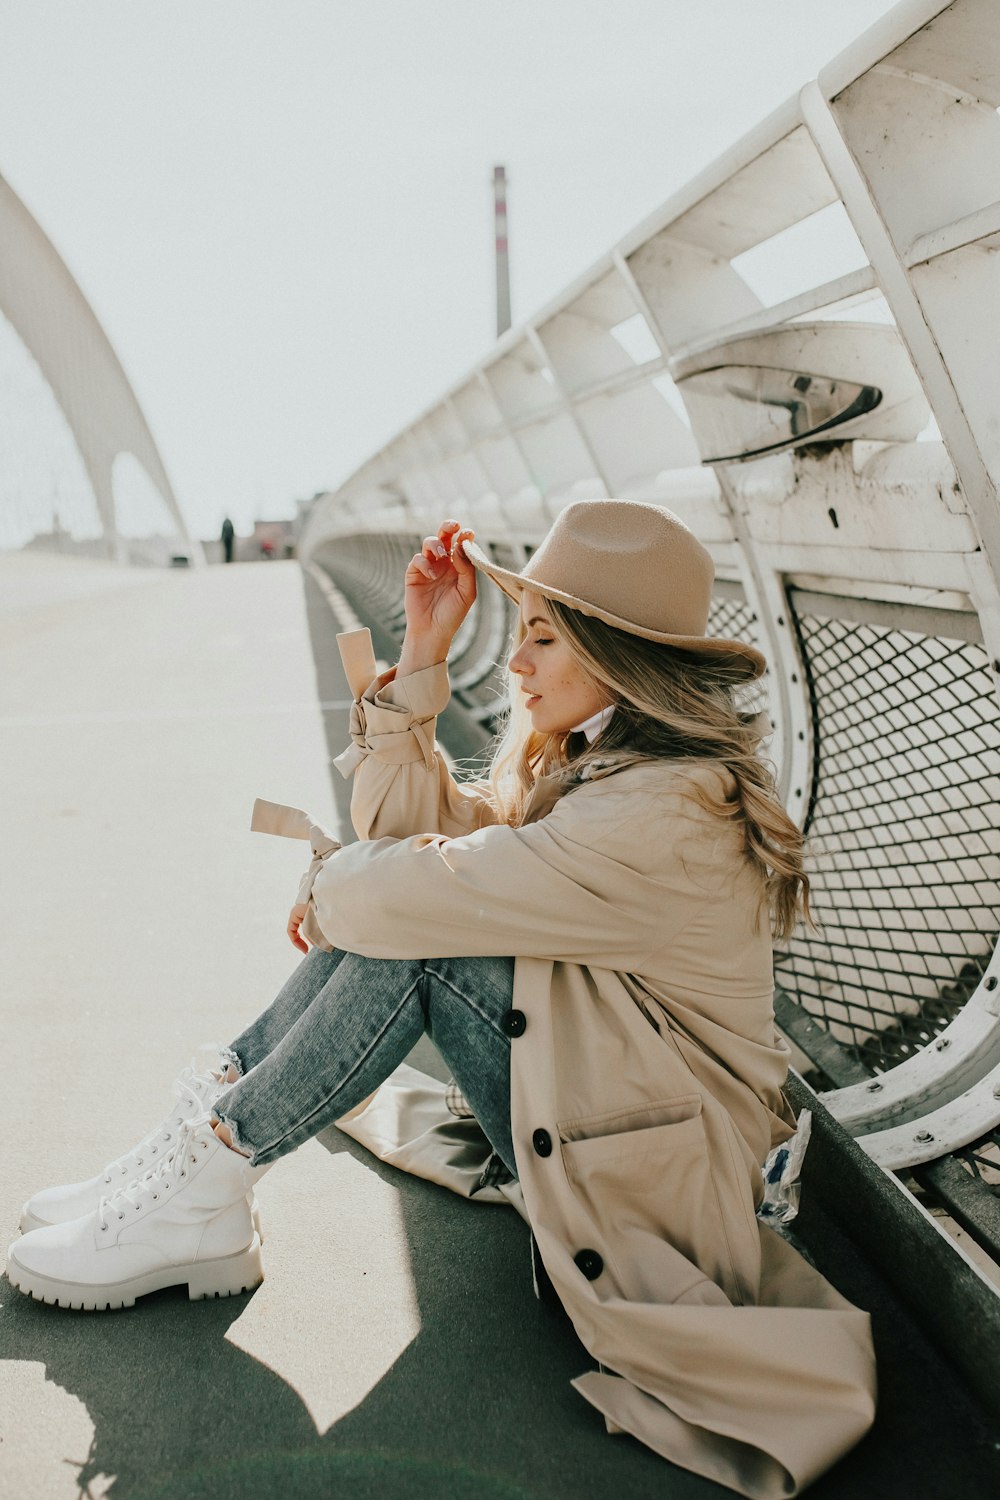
{"x": 227, "y": 1276}
{"x": 30, "y": 1221}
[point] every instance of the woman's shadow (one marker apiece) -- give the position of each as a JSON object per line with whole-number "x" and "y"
{"x": 477, "y": 1405}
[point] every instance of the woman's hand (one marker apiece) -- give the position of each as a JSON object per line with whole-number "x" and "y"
{"x": 439, "y": 590}
{"x": 296, "y": 917}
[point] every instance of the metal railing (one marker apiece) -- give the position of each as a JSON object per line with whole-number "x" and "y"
{"x": 903, "y": 826}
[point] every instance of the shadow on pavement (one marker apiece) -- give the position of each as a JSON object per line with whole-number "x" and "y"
{"x": 477, "y": 1406}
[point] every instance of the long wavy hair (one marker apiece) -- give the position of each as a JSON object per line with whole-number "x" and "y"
{"x": 669, "y": 704}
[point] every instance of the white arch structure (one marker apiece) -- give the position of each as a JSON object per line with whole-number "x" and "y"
{"x": 57, "y": 326}
{"x": 787, "y": 416}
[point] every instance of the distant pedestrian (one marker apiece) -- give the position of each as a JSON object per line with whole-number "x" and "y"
{"x": 228, "y": 539}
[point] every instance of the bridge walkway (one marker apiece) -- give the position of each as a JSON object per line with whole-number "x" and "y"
{"x": 395, "y": 1348}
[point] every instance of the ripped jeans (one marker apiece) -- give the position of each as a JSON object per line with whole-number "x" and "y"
{"x": 342, "y": 1023}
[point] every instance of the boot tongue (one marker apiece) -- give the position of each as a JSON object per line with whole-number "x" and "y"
{"x": 196, "y": 1091}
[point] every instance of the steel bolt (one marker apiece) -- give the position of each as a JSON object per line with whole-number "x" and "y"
{"x": 942, "y": 1043}
{"x": 874, "y": 1086}
{"x": 991, "y": 983}
{"x": 923, "y": 1136}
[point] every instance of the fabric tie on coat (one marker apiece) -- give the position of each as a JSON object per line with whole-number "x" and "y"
{"x": 348, "y": 761}
{"x": 293, "y": 823}
{"x": 392, "y": 749}
{"x": 358, "y": 657}
{"x": 361, "y": 670}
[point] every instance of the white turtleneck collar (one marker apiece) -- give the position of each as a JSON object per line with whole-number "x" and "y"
{"x": 595, "y": 725}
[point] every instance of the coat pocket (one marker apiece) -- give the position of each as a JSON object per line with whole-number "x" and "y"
{"x": 645, "y": 1178}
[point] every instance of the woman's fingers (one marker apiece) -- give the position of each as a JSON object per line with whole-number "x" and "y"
{"x": 448, "y": 541}
{"x": 295, "y": 919}
{"x": 442, "y": 562}
{"x": 458, "y": 556}
{"x": 422, "y": 565}
{"x": 444, "y": 547}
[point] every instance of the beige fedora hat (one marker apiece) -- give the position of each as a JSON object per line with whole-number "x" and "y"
{"x": 634, "y": 566}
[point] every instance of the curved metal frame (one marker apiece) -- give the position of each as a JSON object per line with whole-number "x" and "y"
{"x": 55, "y": 322}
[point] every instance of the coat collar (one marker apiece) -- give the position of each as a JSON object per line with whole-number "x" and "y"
{"x": 549, "y": 788}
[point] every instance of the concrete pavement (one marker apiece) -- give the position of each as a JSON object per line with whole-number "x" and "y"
{"x": 395, "y": 1348}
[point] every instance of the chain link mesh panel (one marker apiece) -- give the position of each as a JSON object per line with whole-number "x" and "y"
{"x": 903, "y": 844}
{"x": 732, "y": 618}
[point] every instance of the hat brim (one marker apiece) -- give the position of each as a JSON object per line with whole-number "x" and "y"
{"x": 748, "y": 658}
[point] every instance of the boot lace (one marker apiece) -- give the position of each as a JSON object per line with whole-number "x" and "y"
{"x": 161, "y": 1180}
{"x": 190, "y": 1091}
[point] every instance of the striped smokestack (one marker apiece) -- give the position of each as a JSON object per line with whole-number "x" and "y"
{"x": 503, "y": 269}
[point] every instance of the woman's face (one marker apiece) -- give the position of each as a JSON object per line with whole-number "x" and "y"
{"x": 559, "y": 694}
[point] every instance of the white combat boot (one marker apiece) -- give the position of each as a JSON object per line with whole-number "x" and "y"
{"x": 188, "y": 1220}
{"x": 194, "y": 1094}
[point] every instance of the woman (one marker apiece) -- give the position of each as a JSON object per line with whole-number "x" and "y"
{"x": 586, "y": 937}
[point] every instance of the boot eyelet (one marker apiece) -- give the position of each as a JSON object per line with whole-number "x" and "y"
{"x": 121, "y": 1216}
{"x": 138, "y": 1206}
{"x": 104, "y": 1228}
{"x": 156, "y": 1197}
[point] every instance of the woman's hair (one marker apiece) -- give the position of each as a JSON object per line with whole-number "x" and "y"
{"x": 671, "y": 704}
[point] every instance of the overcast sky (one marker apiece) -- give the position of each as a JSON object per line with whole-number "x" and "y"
{"x": 280, "y": 210}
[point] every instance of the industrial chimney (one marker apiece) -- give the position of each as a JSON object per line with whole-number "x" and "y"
{"x": 503, "y": 268}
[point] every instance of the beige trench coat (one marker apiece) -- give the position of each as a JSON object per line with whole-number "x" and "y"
{"x": 649, "y": 1057}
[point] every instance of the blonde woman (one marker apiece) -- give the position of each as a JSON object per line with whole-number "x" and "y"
{"x": 586, "y": 936}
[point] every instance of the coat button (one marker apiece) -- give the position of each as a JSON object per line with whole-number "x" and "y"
{"x": 514, "y": 1022}
{"x": 542, "y": 1142}
{"x": 590, "y": 1263}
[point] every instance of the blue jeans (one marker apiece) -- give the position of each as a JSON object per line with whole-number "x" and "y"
{"x": 342, "y": 1023}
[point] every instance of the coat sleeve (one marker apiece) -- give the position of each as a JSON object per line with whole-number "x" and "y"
{"x": 402, "y": 785}
{"x": 567, "y": 888}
